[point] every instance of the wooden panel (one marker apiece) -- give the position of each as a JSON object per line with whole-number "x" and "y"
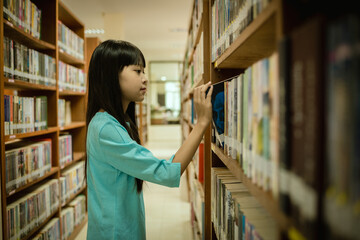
{"x": 67, "y": 58}
{"x": 91, "y": 43}
{"x": 72, "y": 125}
{"x": 20, "y": 85}
{"x": 32, "y": 134}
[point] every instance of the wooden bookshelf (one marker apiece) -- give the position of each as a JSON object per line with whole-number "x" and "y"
{"x": 274, "y": 31}
{"x": 197, "y": 27}
{"x": 52, "y": 11}
{"x": 268, "y": 33}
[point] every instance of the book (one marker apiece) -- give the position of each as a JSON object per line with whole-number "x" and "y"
{"x": 307, "y": 125}
{"x": 218, "y": 103}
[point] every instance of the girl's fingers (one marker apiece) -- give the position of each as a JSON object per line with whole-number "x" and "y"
{"x": 208, "y": 96}
{"x": 204, "y": 87}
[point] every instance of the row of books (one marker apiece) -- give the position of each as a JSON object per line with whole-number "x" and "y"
{"x": 65, "y": 149}
{"x": 197, "y": 200}
{"x": 195, "y": 21}
{"x": 198, "y": 61}
{"x": 33, "y": 209}
{"x": 25, "y": 15}
{"x": 64, "y": 112}
{"x": 195, "y": 70}
{"x": 26, "y": 161}
{"x": 229, "y": 19}
{"x": 235, "y": 213}
{"x": 243, "y": 125}
{"x": 26, "y": 64}
{"x": 70, "y": 42}
{"x": 71, "y": 78}
{"x": 71, "y": 217}
{"x": 79, "y": 206}
{"x": 342, "y": 154}
{"x": 189, "y": 112}
{"x": 24, "y": 114}
{"x": 72, "y": 180}
{"x": 291, "y": 122}
{"x": 51, "y": 231}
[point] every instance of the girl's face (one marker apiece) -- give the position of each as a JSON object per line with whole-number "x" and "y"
{"x": 133, "y": 83}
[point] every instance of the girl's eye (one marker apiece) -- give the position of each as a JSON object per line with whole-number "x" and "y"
{"x": 139, "y": 71}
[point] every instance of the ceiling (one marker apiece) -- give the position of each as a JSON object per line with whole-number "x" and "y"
{"x": 158, "y": 27}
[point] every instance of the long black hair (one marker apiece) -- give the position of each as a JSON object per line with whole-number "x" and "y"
{"x": 107, "y": 61}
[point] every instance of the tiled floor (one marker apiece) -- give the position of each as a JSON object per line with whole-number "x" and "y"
{"x": 167, "y": 209}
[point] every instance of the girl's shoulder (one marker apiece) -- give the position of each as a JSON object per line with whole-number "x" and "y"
{"x": 102, "y": 119}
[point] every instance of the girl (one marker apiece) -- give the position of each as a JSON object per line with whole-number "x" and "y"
{"x": 116, "y": 163}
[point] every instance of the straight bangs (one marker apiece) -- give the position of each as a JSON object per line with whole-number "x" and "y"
{"x": 131, "y": 55}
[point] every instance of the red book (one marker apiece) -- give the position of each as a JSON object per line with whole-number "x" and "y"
{"x": 201, "y": 163}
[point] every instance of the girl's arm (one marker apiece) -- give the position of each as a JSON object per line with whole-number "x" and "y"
{"x": 204, "y": 113}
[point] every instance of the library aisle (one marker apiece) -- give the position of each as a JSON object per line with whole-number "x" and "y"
{"x": 167, "y": 209}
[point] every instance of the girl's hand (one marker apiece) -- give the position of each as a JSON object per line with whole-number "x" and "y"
{"x": 202, "y": 104}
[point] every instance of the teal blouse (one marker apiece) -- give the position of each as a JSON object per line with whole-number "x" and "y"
{"x": 115, "y": 209}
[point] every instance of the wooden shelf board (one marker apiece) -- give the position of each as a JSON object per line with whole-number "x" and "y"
{"x": 265, "y": 198}
{"x": 72, "y": 126}
{"x": 20, "y": 85}
{"x": 68, "y": 59}
{"x": 77, "y": 156}
{"x": 257, "y": 41}
{"x": 78, "y": 229}
{"x": 24, "y": 38}
{"x": 31, "y": 134}
{"x": 70, "y": 93}
{"x": 53, "y": 170}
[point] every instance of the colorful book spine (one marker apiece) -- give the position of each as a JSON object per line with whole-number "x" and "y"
{"x": 26, "y": 64}
{"x": 25, "y": 162}
{"x": 32, "y": 209}
{"x": 69, "y": 42}
{"x": 71, "y": 78}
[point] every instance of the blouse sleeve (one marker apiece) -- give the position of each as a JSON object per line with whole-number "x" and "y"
{"x": 126, "y": 155}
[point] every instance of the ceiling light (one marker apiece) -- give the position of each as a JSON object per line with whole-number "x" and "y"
{"x": 94, "y": 31}
{"x": 163, "y": 78}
